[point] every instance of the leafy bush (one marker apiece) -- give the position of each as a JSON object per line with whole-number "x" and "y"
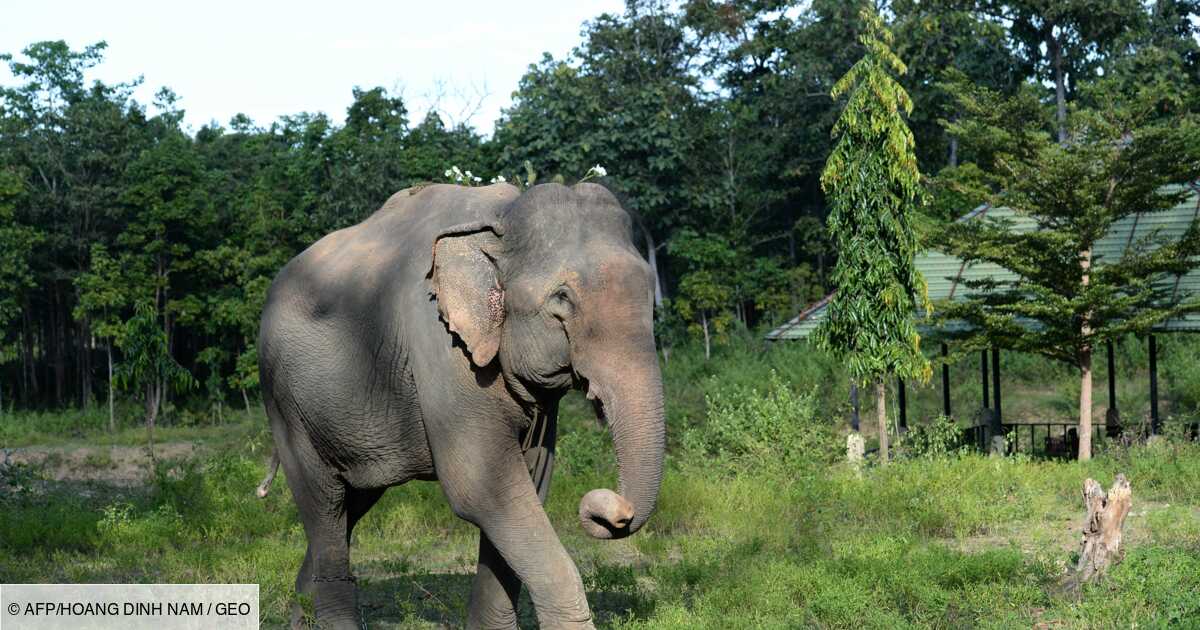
{"x": 746, "y": 428}
{"x": 583, "y": 449}
{"x": 940, "y": 438}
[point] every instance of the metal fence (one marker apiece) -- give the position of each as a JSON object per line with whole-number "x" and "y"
{"x": 1037, "y": 439}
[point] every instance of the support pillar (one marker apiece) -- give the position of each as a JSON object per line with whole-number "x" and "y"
{"x": 996, "y": 384}
{"x": 983, "y": 371}
{"x": 903, "y": 404}
{"x": 1112, "y": 418}
{"x": 854, "y": 406}
{"x": 1155, "y": 425}
{"x": 945, "y": 381}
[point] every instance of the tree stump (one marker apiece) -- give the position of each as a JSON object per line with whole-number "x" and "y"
{"x": 1102, "y": 528}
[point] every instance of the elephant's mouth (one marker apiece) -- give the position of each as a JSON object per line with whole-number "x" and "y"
{"x": 593, "y": 395}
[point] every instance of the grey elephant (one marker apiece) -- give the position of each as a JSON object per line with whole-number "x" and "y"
{"x": 433, "y": 341}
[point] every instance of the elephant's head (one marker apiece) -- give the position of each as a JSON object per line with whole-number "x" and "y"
{"x": 554, "y": 290}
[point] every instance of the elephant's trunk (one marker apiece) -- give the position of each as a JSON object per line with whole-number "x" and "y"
{"x": 631, "y": 400}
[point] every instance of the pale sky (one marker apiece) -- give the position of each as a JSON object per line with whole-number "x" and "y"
{"x": 266, "y": 59}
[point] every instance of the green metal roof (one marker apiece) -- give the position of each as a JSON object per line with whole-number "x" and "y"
{"x": 944, "y": 273}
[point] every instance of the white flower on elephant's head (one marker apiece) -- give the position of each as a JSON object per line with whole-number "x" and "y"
{"x": 448, "y": 173}
{"x": 598, "y": 171}
{"x": 499, "y": 179}
{"x": 478, "y": 179}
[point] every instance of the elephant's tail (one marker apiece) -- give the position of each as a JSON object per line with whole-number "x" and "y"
{"x": 272, "y": 468}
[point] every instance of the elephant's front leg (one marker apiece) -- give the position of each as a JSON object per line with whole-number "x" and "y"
{"x": 489, "y": 485}
{"x": 496, "y": 587}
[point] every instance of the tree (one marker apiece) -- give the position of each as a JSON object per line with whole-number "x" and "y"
{"x": 1065, "y": 41}
{"x": 148, "y": 366}
{"x": 17, "y": 243}
{"x": 874, "y": 186}
{"x": 705, "y": 290}
{"x": 101, "y": 299}
{"x": 1063, "y": 300}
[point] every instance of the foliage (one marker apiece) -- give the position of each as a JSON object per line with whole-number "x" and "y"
{"x": 1118, "y": 163}
{"x": 874, "y": 184}
{"x": 1062, "y": 298}
{"x": 148, "y": 365}
{"x": 924, "y": 543}
{"x": 770, "y": 429}
{"x": 940, "y": 438}
{"x": 17, "y": 244}
{"x": 714, "y": 119}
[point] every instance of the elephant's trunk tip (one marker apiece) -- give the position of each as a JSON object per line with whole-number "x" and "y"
{"x": 605, "y": 514}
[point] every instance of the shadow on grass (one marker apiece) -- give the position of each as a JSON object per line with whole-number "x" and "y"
{"x": 441, "y": 599}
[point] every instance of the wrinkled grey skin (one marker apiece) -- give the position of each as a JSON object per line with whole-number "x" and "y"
{"x": 433, "y": 341}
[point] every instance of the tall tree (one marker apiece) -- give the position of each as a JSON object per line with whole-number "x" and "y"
{"x": 874, "y": 186}
{"x": 102, "y": 297}
{"x": 1063, "y": 300}
{"x": 17, "y": 243}
{"x": 1065, "y": 41}
{"x": 148, "y": 367}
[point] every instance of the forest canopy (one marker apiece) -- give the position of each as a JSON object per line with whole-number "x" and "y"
{"x": 713, "y": 120}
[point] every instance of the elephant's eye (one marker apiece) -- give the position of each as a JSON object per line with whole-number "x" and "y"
{"x": 560, "y": 303}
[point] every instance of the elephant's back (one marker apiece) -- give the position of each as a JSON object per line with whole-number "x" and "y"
{"x": 333, "y": 352}
{"x": 355, "y": 272}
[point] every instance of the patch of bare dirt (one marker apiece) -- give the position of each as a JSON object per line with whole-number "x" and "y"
{"x": 114, "y": 465}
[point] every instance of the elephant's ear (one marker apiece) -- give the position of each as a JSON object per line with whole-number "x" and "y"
{"x": 467, "y": 288}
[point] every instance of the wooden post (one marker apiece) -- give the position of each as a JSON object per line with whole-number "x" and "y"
{"x": 881, "y": 418}
{"x": 996, "y": 383}
{"x": 945, "y": 381}
{"x": 983, "y": 369}
{"x": 1112, "y": 376}
{"x": 1102, "y": 527}
{"x": 903, "y": 403}
{"x": 1112, "y": 417}
{"x": 1154, "y": 421}
{"x": 854, "y": 406}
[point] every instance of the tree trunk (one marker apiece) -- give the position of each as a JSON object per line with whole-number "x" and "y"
{"x": 246, "y": 399}
{"x": 30, "y": 359}
{"x": 159, "y": 399}
{"x": 152, "y": 399}
{"x": 881, "y": 416}
{"x": 651, "y": 258}
{"x": 112, "y": 418}
{"x": 707, "y": 346}
{"x": 85, "y": 364}
{"x": 1102, "y": 527}
{"x": 1085, "y": 371}
{"x": 1085, "y": 405}
{"x": 1060, "y": 84}
{"x": 59, "y": 336}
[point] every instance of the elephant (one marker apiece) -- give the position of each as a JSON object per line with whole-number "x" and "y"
{"x": 433, "y": 342}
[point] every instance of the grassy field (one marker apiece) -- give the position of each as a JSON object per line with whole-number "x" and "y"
{"x": 757, "y": 527}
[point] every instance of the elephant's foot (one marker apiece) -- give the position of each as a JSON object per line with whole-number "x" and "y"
{"x": 333, "y": 607}
{"x": 502, "y": 618}
{"x": 566, "y": 624}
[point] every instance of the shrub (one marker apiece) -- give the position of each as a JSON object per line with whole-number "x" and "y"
{"x": 940, "y": 438}
{"x": 746, "y": 428}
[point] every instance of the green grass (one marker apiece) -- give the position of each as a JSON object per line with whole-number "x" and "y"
{"x": 956, "y": 542}
{"x": 925, "y": 543}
